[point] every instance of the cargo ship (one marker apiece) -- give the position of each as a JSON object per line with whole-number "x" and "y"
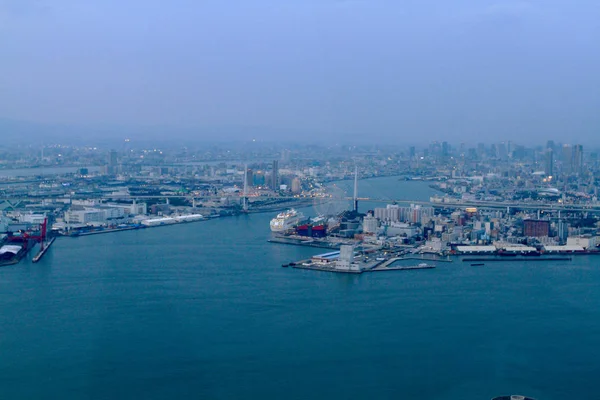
{"x": 286, "y": 221}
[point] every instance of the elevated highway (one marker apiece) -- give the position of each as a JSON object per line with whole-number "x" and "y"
{"x": 484, "y": 205}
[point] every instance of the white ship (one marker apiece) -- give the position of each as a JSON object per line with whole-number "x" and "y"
{"x": 286, "y": 220}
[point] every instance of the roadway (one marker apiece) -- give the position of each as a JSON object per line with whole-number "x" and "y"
{"x": 497, "y": 205}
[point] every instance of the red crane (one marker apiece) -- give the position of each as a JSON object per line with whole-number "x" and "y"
{"x": 26, "y": 236}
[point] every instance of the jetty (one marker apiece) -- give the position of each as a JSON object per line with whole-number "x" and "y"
{"x": 516, "y": 259}
{"x": 322, "y": 244}
{"x": 43, "y": 250}
{"x": 360, "y": 267}
{"x": 387, "y": 265}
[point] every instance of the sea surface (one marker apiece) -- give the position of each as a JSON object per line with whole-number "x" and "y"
{"x": 205, "y": 310}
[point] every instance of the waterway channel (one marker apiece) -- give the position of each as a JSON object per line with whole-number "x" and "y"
{"x": 204, "y": 310}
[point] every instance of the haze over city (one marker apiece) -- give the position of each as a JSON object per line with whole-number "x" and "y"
{"x": 300, "y": 199}
{"x": 358, "y": 71}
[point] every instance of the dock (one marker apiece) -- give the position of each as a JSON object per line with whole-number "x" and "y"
{"x": 100, "y": 231}
{"x": 424, "y": 259}
{"x": 408, "y": 267}
{"x": 518, "y": 259}
{"x": 43, "y": 251}
{"x": 308, "y": 243}
{"x": 326, "y": 268}
{"x": 386, "y": 265}
{"x": 372, "y": 266}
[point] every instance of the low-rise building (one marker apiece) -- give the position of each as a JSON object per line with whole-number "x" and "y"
{"x": 85, "y": 216}
{"x": 587, "y": 242}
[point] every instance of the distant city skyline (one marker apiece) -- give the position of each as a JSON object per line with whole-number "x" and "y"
{"x": 21, "y": 132}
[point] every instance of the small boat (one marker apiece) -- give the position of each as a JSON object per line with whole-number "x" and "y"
{"x": 477, "y": 265}
{"x": 284, "y": 265}
{"x": 292, "y": 264}
{"x": 423, "y": 265}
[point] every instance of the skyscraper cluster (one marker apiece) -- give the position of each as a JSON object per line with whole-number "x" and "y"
{"x": 572, "y": 159}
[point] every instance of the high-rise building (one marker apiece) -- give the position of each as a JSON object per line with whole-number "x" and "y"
{"x": 567, "y": 159}
{"x": 435, "y": 149}
{"x": 249, "y": 176}
{"x": 480, "y": 150}
{"x": 502, "y": 152}
{"x": 445, "y": 149}
{"x": 412, "y": 152}
{"x": 577, "y": 159}
{"x": 549, "y": 162}
{"x": 275, "y": 175}
{"x": 112, "y": 166}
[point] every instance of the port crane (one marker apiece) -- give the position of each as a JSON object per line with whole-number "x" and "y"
{"x": 26, "y": 237}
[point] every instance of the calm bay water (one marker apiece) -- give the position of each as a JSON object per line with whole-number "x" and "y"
{"x": 205, "y": 310}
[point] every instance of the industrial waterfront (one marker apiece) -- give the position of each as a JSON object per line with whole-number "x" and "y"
{"x": 210, "y": 304}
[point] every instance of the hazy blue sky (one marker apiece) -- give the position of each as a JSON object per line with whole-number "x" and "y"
{"x": 389, "y": 70}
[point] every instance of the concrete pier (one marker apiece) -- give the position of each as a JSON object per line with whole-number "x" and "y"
{"x": 43, "y": 251}
{"x": 309, "y": 243}
{"x": 363, "y": 267}
{"x": 516, "y": 259}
